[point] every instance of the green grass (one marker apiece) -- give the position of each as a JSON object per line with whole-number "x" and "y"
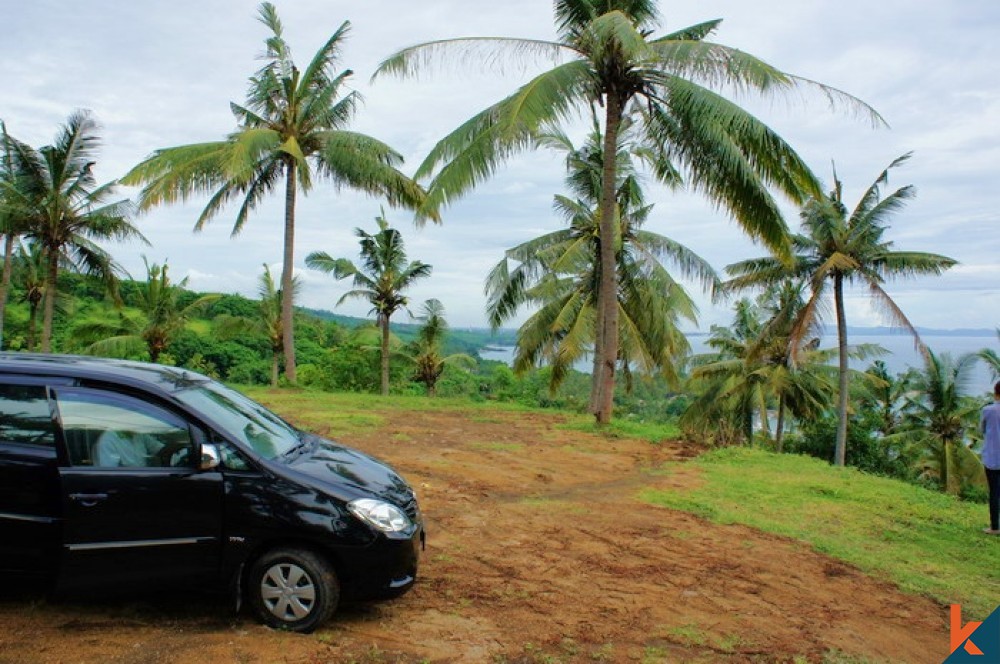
{"x": 292, "y": 401}
{"x": 922, "y": 540}
{"x": 654, "y": 432}
{"x": 345, "y": 413}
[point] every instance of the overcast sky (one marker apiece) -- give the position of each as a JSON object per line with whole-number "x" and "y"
{"x": 159, "y": 74}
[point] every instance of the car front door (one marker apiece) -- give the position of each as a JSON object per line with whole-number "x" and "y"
{"x": 137, "y": 508}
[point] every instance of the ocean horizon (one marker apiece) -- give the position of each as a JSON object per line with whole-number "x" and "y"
{"x": 901, "y": 354}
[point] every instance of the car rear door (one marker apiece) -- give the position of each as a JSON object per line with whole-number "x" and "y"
{"x": 29, "y": 479}
{"x": 139, "y": 517}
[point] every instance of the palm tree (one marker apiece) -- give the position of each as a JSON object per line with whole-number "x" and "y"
{"x": 381, "y": 279}
{"x": 607, "y": 56}
{"x": 159, "y": 317}
{"x": 728, "y": 383}
{"x": 9, "y": 220}
{"x": 939, "y": 419}
{"x": 292, "y": 127}
{"x": 426, "y": 354}
{"x": 268, "y": 321}
{"x": 63, "y": 210}
{"x": 750, "y": 370}
{"x": 796, "y": 370}
{"x": 886, "y": 394}
{"x": 839, "y": 248}
{"x": 992, "y": 359}
{"x": 559, "y": 273}
{"x": 29, "y": 270}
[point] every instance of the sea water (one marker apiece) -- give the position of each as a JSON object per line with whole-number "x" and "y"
{"x": 901, "y": 353}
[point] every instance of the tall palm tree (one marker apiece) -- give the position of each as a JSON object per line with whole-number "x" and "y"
{"x": 838, "y": 248}
{"x": 428, "y": 358}
{"x": 383, "y": 276}
{"x": 292, "y": 127}
{"x": 607, "y": 56}
{"x": 160, "y": 316}
{"x": 63, "y": 209}
{"x": 559, "y": 272}
{"x": 938, "y": 420}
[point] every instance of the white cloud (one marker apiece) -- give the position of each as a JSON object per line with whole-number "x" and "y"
{"x": 160, "y": 74}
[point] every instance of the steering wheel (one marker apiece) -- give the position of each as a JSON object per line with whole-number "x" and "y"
{"x": 167, "y": 452}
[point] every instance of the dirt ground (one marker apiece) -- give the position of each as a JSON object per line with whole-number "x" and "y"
{"x": 538, "y": 551}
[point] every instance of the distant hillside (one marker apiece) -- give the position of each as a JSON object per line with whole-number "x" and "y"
{"x": 466, "y": 339}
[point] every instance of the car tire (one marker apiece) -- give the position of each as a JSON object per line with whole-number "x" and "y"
{"x": 294, "y": 589}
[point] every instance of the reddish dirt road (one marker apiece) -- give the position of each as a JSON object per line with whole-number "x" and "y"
{"x": 538, "y": 551}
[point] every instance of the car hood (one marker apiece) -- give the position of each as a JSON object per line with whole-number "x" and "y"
{"x": 339, "y": 468}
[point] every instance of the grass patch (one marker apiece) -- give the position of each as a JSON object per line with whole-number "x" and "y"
{"x": 654, "y": 432}
{"x": 293, "y": 402}
{"x": 922, "y": 540}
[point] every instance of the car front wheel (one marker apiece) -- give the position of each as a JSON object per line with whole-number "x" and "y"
{"x": 293, "y": 589}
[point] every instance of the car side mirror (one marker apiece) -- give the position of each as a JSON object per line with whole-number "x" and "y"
{"x": 210, "y": 457}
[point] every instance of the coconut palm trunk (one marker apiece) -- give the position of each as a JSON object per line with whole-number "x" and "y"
{"x": 33, "y": 320}
{"x": 607, "y": 295}
{"x": 51, "y": 277}
{"x": 840, "y": 451}
{"x": 765, "y": 421}
{"x": 287, "y": 273}
{"x": 595, "y": 372}
{"x": 950, "y": 478}
{"x": 8, "y": 260}
{"x": 383, "y": 323}
{"x": 274, "y": 367}
{"x": 779, "y": 434}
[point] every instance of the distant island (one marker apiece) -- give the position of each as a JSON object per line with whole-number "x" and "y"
{"x": 506, "y": 337}
{"x": 895, "y": 332}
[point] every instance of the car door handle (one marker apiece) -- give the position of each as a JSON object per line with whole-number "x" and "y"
{"x": 88, "y": 499}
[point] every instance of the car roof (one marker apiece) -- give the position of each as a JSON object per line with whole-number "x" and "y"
{"x": 125, "y": 372}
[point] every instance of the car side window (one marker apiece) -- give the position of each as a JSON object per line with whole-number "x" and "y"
{"x": 25, "y": 416}
{"x": 232, "y": 459}
{"x": 110, "y": 430}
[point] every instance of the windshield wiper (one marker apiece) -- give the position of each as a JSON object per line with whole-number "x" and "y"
{"x": 305, "y": 443}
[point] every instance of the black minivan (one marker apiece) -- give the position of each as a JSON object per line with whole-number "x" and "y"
{"x": 118, "y": 474}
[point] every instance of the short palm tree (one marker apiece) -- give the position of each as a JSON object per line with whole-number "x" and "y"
{"x": 608, "y": 56}
{"x": 426, "y": 351}
{"x": 559, "y": 273}
{"x": 29, "y": 274}
{"x": 939, "y": 420}
{"x": 992, "y": 359}
{"x": 292, "y": 128}
{"x": 158, "y": 317}
{"x": 383, "y": 276}
{"x": 9, "y": 221}
{"x": 61, "y": 208}
{"x": 750, "y": 370}
{"x": 267, "y": 322}
{"x": 838, "y": 247}
{"x": 887, "y": 394}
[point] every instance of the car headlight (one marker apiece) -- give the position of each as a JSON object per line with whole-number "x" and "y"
{"x": 381, "y": 515}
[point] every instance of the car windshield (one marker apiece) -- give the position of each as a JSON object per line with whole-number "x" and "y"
{"x": 261, "y": 430}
